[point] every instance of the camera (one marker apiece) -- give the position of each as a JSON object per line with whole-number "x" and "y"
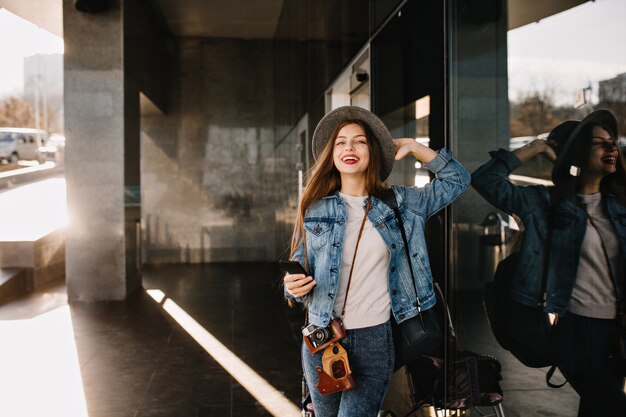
{"x": 317, "y": 338}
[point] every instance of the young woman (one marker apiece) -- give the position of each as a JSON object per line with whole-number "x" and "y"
{"x": 364, "y": 285}
{"x": 586, "y": 212}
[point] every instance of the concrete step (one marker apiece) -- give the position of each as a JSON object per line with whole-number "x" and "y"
{"x": 14, "y": 282}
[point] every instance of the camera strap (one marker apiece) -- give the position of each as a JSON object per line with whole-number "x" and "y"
{"x": 356, "y": 248}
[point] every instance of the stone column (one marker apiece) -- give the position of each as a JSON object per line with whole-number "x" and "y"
{"x": 95, "y": 127}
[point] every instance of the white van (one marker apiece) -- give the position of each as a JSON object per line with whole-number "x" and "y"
{"x": 18, "y": 143}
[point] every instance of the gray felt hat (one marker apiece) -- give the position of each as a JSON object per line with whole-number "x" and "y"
{"x": 327, "y": 125}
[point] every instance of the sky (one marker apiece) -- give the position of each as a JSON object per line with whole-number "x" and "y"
{"x": 19, "y": 39}
{"x": 569, "y": 51}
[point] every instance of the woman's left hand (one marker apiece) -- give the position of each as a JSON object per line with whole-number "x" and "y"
{"x": 406, "y": 146}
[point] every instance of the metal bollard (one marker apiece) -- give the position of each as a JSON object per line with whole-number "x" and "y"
{"x": 493, "y": 245}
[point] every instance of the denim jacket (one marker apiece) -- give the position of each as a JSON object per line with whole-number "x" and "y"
{"x": 532, "y": 205}
{"x": 325, "y": 224}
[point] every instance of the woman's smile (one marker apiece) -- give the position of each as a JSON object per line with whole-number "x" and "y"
{"x": 350, "y": 159}
{"x": 610, "y": 159}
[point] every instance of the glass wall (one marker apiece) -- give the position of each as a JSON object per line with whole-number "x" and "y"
{"x": 511, "y": 83}
{"x": 561, "y": 68}
{"x": 408, "y": 95}
{"x": 473, "y": 76}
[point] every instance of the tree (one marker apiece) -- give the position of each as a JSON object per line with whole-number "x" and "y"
{"x": 15, "y": 112}
{"x": 533, "y": 114}
{"x": 536, "y": 113}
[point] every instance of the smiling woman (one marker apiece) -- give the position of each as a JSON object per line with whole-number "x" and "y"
{"x": 359, "y": 276}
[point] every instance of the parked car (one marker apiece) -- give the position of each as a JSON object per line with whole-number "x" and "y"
{"x": 18, "y": 143}
{"x": 55, "y": 148}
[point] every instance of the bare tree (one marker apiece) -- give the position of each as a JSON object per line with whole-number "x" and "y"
{"x": 533, "y": 114}
{"x": 15, "y": 112}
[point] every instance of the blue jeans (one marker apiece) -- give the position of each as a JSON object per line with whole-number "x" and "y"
{"x": 371, "y": 356}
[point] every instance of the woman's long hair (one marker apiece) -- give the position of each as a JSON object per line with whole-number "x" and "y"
{"x": 323, "y": 179}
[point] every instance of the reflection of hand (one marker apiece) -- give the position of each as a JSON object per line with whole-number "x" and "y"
{"x": 405, "y": 146}
{"x": 298, "y": 285}
{"x": 537, "y": 147}
{"x": 549, "y": 151}
{"x": 554, "y": 147}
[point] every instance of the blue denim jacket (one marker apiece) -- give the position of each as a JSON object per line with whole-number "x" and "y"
{"x": 532, "y": 205}
{"x": 325, "y": 222}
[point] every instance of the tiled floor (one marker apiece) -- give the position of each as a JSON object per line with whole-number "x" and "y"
{"x": 136, "y": 361}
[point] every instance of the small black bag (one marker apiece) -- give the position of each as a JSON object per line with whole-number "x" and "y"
{"x": 419, "y": 335}
{"x": 523, "y": 330}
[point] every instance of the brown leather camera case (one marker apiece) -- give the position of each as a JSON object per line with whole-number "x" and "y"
{"x": 335, "y": 358}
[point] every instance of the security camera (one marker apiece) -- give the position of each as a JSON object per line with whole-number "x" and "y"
{"x": 362, "y": 77}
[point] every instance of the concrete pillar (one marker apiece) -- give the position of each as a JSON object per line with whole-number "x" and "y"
{"x": 97, "y": 246}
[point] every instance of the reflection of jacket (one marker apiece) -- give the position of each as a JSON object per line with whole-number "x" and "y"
{"x": 532, "y": 205}
{"x": 325, "y": 222}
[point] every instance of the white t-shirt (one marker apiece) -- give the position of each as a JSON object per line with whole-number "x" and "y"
{"x": 368, "y": 303}
{"x": 593, "y": 294}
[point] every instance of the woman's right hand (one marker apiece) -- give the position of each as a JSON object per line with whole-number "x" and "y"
{"x": 298, "y": 285}
{"x": 534, "y": 148}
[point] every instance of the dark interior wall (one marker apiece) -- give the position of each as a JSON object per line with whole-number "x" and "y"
{"x": 479, "y": 115}
{"x": 314, "y": 41}
{"x": 218, "y": 170}
{"x": 148, "y": 56}
{"x": 148, "y": 51}
{"x": 408, "y": 63}
{"x": 209, "y": 172}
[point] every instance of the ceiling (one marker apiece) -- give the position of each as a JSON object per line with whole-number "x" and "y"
{"x": 221, "y": 18}
{"x": 251, "y": 19}
{"x": 523, "y": 12}
{"x": 47, "y": 14}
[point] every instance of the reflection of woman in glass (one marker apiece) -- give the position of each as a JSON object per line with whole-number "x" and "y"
{"x": 340, "y": 208}
{"x": 588, "y": 249}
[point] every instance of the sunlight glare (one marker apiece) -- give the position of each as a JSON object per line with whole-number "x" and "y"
{"x": 40, "y": 368}
{"x": 33, "y": 211}
{"x": 268, "y": 396}
{"x": 158, "y": 295}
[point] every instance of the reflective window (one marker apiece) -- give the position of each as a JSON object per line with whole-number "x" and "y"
{"x": 561, "y": 68}
{"x": 512, "y": 78}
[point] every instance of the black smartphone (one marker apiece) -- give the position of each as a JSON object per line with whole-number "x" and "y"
{"x": 293, "y": 267}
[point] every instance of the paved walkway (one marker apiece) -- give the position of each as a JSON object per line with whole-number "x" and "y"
{"x": 137, "y": 358}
